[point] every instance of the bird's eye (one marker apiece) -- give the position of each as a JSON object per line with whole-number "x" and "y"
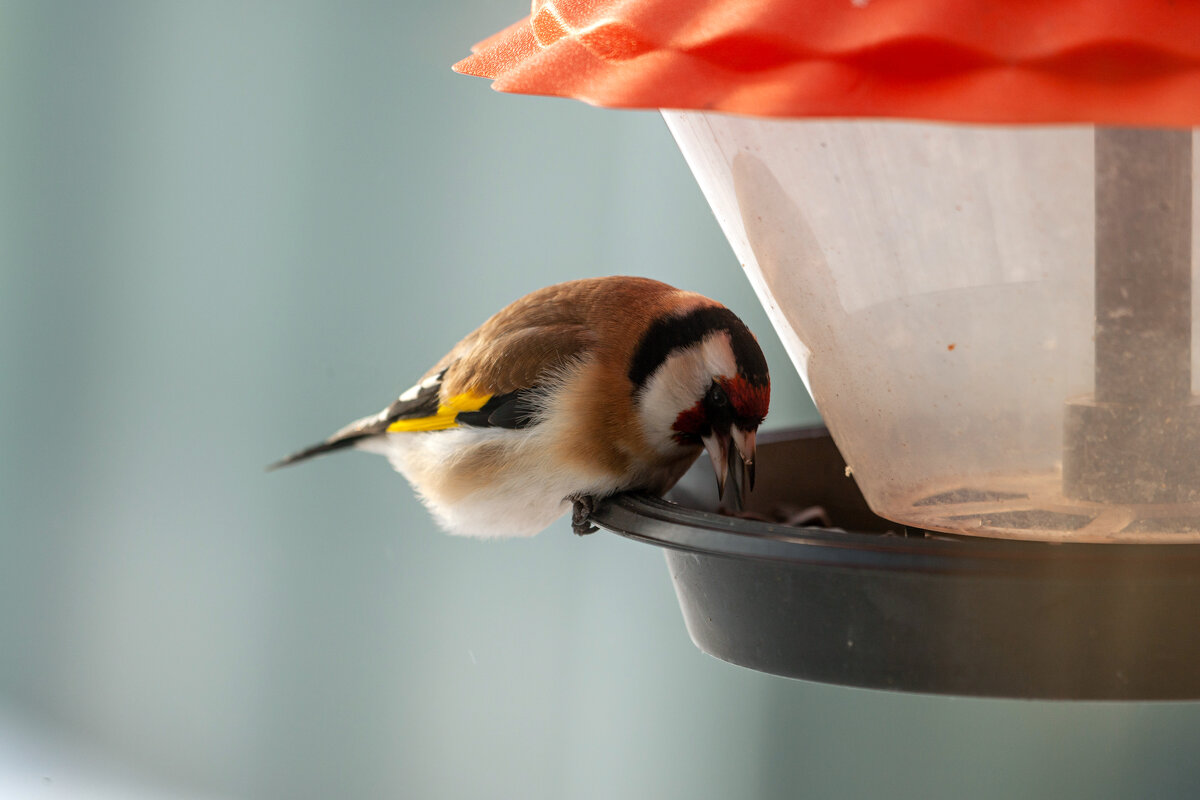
{"x": 715, "y": 397}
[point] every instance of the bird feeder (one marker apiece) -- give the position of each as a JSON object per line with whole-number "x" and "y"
{"x": 971, "y": 224}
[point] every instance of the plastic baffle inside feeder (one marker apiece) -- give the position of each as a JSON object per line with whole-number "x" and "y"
{"x": 994, "y": 321}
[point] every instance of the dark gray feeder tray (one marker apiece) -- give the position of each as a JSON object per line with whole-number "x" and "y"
{"x": 881, "y": 606}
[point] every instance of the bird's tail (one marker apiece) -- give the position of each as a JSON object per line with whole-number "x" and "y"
{"x": 348, "y": 436}
{"x": 337, "y": 442}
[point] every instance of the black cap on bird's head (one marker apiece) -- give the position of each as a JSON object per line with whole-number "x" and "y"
{"x": 707, "y": 369}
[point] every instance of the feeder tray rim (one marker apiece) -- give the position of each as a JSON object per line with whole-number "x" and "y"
{"x": 664, "y": 523}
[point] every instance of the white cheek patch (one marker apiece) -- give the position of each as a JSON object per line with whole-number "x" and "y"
{"x": 679, "y": 383}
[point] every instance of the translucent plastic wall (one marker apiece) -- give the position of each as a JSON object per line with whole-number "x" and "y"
{"x": 936, "y": 287}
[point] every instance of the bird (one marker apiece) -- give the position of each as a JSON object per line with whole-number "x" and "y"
{"x": 568, "y": 395}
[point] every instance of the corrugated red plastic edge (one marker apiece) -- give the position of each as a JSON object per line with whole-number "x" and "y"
{"x": 1119, "y": 62}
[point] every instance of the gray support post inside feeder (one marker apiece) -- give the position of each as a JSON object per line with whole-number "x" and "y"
{"x": 1137, "y": 439}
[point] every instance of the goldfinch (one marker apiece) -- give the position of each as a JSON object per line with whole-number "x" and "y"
{"x": 570, "y": 394}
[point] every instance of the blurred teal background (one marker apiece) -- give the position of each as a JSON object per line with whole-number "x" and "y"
{"x": 226, "y": 228}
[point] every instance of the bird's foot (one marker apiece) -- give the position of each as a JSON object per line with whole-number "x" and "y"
{"x": 582, "y": 507}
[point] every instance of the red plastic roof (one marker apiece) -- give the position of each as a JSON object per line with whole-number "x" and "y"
{"x": 1134, "y": 62}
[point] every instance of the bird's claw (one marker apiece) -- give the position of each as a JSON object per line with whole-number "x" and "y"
{"x": 581, "y": 513}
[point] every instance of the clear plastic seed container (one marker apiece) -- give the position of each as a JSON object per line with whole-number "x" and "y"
{"x": 995, "y": 322}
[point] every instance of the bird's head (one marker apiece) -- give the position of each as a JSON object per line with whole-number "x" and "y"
{"x": 700, "y": 380}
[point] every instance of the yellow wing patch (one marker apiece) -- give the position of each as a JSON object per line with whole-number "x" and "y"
{"x": 445, "y": 416}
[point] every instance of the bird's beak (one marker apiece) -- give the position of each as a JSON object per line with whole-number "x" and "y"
{"x": 721, "y": 446}
{"x": 743, "y": 441}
